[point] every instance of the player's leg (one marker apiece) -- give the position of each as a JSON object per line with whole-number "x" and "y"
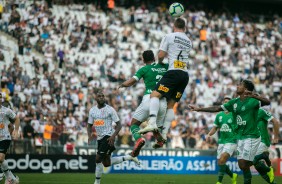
{"x": 141, "y": 114}
{"x": 140, "y": 141}
{"x": 99, "y": 168}
{"x": 223, "y": 154}
{"x": 265, "y": 156}
{"x": 11, "y": 129}
{"x": 247, "y": 149}
{"x": 107, "y": 149}
{"x": 10, "y": 177}
{"x": 245, "y": 167}
{"x": 108, "y": 160}
{"x": 174, "y": 96}
{"x": 169, "y": 117}
{"x": 266, "y": 172}
{"x": 165, "y": 88}
{"x": 99, "y": 157}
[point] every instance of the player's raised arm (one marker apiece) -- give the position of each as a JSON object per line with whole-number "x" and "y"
{"x": 276, "y": 130}
{"x": 206, "y": 109}
{"x": 161, "y": 55}
{"x": 163, "y": 50}
{"x": 263, "y": 100}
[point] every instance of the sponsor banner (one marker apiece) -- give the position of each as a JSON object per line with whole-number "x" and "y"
{"x": 173, "y": 165}
{"x": 51, "y": 163}
{"x": 152, "y": 152}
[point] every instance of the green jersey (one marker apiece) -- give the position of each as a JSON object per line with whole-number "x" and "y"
{"x": 225, "y": 124}
{"x": 263, "y": 118}
{"x": 245, "y": 112}
{"x": 151, "y": 75}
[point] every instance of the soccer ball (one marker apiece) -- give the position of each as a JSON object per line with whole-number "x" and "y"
{"x": 176, "y": 10}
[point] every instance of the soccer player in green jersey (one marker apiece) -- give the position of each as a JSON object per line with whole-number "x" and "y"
{"x": 245, "y": 111}
{"x": 264, "y": 117}
{"x": 151, "y": 74}
{"x": 224, "y": 123}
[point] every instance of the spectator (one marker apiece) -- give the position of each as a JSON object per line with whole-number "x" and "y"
{"x": 28, "y": 135}
{"x": 47, "y": 135}
{"x": 69, "y": 147}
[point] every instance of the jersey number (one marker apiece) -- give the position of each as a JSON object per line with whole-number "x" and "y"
{"x": 179, "y": 57}
{"x": 158, "y": 78}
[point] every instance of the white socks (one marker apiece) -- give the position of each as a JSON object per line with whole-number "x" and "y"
{"x": 5, "y": 169}
{"x": 116, "y": 160}
{"x": 98, "y": 172}
{"x": 169, "y": 117}
{"x": 154, "y": 107}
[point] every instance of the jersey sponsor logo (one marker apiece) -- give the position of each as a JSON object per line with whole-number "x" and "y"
{"x": 220, "y": 118}
{"x": 240, "y": 120}
{"x": 229, "y": 120}
{"x": 179, "y": 64}
{"x": 158, "y": 70}
{"x": 243, "y": 108}
{"x": 235, "y": 107}
{"x": 225, "y": 128}
{"x": 163, "y": 88}
{"x": 99, "y": 122}
{"x": 182, "y": 41}
{"x": 178, "y": 95}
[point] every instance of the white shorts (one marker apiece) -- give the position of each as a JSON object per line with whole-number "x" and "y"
{"x": 262, "y": 148}
{"x": 226, "y": 148}
{"x": 142, "y": 112}
{"x": 247, "y": 148}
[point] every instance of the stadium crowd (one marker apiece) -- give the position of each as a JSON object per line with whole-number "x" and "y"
{"x": 90, "y": 49}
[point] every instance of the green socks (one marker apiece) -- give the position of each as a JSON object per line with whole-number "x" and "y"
{"x": 263, "y": 170}
{"x": 224, "y": 169}
{"x": 221, "y": 172}
{"x": 247, "y": 177}
{"x": 134, "y": 130}
{"x": 228, "y": 171}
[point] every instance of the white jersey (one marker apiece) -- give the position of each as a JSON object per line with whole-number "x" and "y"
{"x": 6, "y": 115}
{"x": 102, "y": 119}
{"x": 178, "y": 46}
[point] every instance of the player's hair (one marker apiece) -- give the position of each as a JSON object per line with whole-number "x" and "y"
{"x": 248, "y": 84}
{"x": 227, "y": 97}
{"x": 179, "y": 23}
{"x": 98, "y": 90}
{"x": 148, "y": 56}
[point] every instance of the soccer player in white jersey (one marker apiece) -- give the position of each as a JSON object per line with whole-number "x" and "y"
{"x": 102, "y": 116}
{"x": 7, "y": 116}
{"x": 176, "y": 46}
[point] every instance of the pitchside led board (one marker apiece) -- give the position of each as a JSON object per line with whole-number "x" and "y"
{"x": 149, "y": 164}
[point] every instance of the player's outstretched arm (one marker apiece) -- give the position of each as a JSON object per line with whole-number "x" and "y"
{"x": 212, "y": 131}
{"x": 276, "y": 130}
{"x": 206, "y": 109}
{"x": 128, "y": 83}
{"x": 263, "y": 100}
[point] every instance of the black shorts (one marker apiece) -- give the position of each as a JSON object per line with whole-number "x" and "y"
{"x": 104, "y": 148}
{"x": 173, "y": 84}
{"x": 4, "y": 146}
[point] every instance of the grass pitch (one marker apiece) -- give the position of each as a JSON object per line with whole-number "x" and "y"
{"x": 129, "y": 179}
